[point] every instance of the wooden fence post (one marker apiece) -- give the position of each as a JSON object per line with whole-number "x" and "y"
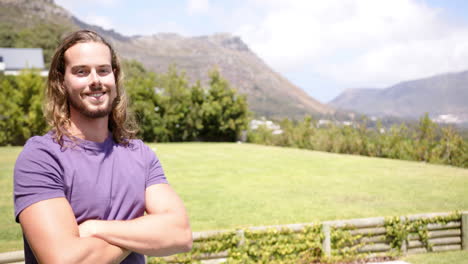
{"x": 464, "y": 229}
{"x": 12, "y": 257}
{"x": 240, "y": 235}
{"x": 326, "y": 244}
{"x": 404, "y": 243}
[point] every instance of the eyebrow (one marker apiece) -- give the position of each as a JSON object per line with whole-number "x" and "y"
{"x": 86, "y": 66}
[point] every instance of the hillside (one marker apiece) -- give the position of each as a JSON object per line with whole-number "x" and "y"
{"x": 443, "y": 96}
{"x": 356, "y": 99}
{"x": 268, "y": 93}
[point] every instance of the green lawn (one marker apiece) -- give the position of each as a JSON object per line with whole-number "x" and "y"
{"x": 450, "y": 257}
{"x": 228, "y": 185}
{"x": 10, "y": 232}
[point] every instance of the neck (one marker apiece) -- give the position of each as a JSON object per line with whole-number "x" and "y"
{"x": 92, "y": 129}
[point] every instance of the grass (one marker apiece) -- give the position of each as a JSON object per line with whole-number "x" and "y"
{"x": 10, "y": 232}
{"x": 450, "y": 257}
{"x": 231, "y": 185}
{"x": 226, "y": 185}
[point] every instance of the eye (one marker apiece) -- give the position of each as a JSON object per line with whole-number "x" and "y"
{"x": 81, "y": 72}
{"x": 104, "y": 70}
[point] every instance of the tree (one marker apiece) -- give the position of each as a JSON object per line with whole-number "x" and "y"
{"x": 145, "y": 102}
{"x": 9, "y": 112}
{"x": 21, "y": 107}
{"x": 176, "y": 100}
{"x": 425, "y": 138}
{"x": 169, "y": 109}
{"x": 8, "y": 36}
{"x": 451, "y": 149}
{"x": 194, "y": 119}
{"x": 225, "y": 113}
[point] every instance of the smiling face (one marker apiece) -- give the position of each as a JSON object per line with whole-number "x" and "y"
{"x": 89, "y": 80}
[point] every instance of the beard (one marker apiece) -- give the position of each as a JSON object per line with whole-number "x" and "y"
{"x": 90, "y": 113}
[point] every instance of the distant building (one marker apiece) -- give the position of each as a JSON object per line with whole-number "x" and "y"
{"x": 13, "y": 60}
{"x": 275, "y": 128}
{"x": 447, "y": 119}
{"x": 324, "y": 123}
{"x": 347, "y": 123}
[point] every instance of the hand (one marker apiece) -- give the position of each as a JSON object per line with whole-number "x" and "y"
{"x": 88, "y": 228}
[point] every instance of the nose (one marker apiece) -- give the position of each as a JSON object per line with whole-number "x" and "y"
{"x": 95, "y": 79}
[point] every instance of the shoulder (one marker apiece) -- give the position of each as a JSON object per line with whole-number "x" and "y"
{"x": 139, "y": 146}
{"x": 40, "y": 156}
{"x": 136, "y": 143}
{"x": 40, "y": 145}
{"x": 40, "y": 153}
{"x": 144, "y": 151}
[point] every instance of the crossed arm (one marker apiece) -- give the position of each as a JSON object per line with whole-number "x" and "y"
{"x": 54, "y": 236}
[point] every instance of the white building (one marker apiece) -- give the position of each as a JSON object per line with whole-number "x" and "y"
{"x": 275, "y": 128}
{"x": 13, "y": 60}
{"x": 447, "y": 119}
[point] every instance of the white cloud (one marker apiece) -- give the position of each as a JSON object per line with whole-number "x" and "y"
{"x": 198, "y": 7}
{"x": 356, "y": 42}
{"x": 397, "y": 61}
{"x": 349, "y": 42}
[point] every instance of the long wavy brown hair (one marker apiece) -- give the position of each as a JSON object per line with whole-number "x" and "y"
{"x": 57, "y": 108}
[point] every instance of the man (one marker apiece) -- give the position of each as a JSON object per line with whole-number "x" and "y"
{"x": 81, "y": 191}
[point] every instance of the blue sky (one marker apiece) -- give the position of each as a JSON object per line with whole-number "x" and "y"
{"x": 323, "y": 46}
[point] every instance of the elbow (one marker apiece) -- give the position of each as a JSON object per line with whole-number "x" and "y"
{"x": 189, "y": 241}
{"x": 56, "y": 257}
{"x": 54, "y": 261}
{"x": 181, "y": 243}
{"x": 63, "y": 258}
{"x": 78, "y": 254}
{"x": 186, "y": 240}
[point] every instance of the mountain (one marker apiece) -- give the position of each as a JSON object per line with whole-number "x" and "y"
{"x": 268, "y": 93}
{"x": 444, "y": 97}
{"x": 355, "y": 99}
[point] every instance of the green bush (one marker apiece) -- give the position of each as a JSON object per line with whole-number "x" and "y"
{"x": 427, "y": 141}
{"x": 166, "y": 107}
{"x": 283, "y": 245}
{"x": 21, "y": 107}
{"x": 169, "y": 109}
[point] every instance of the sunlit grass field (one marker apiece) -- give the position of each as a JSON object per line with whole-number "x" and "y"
{"x": 451, "y": 257}
{"x": 229, "y": 185}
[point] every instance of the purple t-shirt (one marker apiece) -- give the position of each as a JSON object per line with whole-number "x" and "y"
{"x": 104, "y": 181}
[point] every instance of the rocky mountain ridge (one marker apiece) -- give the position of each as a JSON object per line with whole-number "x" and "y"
{"x": 444, "y": 97}
{"x": 268, "y": 93}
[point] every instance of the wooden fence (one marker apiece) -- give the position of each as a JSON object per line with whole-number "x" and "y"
{"x": 442, "y": 237}
{"x": 372, "y": 234}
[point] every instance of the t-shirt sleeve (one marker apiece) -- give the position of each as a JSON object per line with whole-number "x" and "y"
{"x": 155, "y": 171}
{"x": 37, "y": 176}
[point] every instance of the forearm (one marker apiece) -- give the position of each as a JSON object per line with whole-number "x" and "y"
{"x": 53, "y": 235}
{"x": 90, "y": 250}
{"x": 153, "y": 234}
